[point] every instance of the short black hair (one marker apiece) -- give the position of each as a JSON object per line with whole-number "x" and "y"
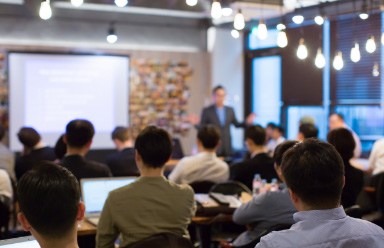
{"x": 209, "y": 136}
{"x": 342, "y": 139}
{"x": 219, "y": 87}
{"x": 280, "y": 129}
{"x": 271, "y": 125}
{"x": 49, "y": 197}
{"x": 339, "y": 115}
{"x": 79, "y": 132}
{"x": 2, "y": 132}
{"x": 281, "y": 149}
{"x": 309, "y": 130}
{"x": 121, "y": 133}
{"x": 314, "y": 171}
{"x": 28, "y": 136}
{"x": 60, "y": 148}
{"x": 257, "y": 134}
{"x": 154, "y": 146}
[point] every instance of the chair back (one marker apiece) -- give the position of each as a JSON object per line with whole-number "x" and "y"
{"x": 4, "y": 218}
{"x": 230, "y": 188}
{"x": 355, "y": 211}
{"x": 163, "y": 240}
{"x": 202, "y": 187}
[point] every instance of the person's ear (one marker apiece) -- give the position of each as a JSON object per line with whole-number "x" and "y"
{"x": 137, "y": 157}
{"x": 293, "y": 196}
{"x": 80, "y": 211}
{"x": 65, "y": 140}
{"x": 24, "y": 222}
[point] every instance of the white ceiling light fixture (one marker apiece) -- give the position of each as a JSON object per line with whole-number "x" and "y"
{"x": 376, "y": 70}
{"x": 320, "y": 59}
{"x": 239, "y": 22}
{"x": 216, "y": 9}
{"x": 282, "y": 40}
{"x": 191, "y": 2}
{"x": 121, "y": 3}
{"x": 77, "y": 3}
{"x": 355, "y": 53}
{"x": 45, "y": 11}
{"x": 302, "y": 51}
{"x": 364, "y": 14}
{"x": 370, "y": 46}
{"x": 235, "y": 34}
{"x": 111, "y": 36}
{"x": 319, "y": 20}
{"x": 262, "y": 30}
{"x": 226, "y": 9}
{"x": 298, "y": 19}
{"x": 338, "y": 62}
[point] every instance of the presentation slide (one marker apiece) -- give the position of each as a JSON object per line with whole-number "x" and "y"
{"x": 49, "y": 90}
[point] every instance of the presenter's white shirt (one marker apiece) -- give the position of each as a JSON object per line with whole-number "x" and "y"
{"x": 204, "y": 166}
{"x": 376, "y": 159}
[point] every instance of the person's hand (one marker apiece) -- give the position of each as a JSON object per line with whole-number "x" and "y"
{"x": 250, "y": 118}
{"x": 193, "y": 119}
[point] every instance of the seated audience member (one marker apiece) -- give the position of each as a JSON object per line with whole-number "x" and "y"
{"x": 78, "y": 137}
{"x": 314, "y": 173}
{"x": 376, "y": 158}
{"x": 50, "y": 207}
{"x": 342, "y": 140}
{"x": 336, "y": 120}
{"x": 204, "y": 166}
{"x": 307, "y": 131}
{"x": 276, "y": 139}
{"x": 150, "y": 205}
{"x": 60, "y": 148}
{"x": 122, "y": 162}
{"x": 6, "y": 190}
{"x": 34, "y": 151}
{"x": 7, "y": 158}
{"x": 266, "y": 209}
{"x": 259, "y": 163}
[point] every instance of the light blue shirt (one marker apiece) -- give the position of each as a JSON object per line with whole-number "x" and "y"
{"x": 221, "y": 114}
{"x": 326, "y": 229}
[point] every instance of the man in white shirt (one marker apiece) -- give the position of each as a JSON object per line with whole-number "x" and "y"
{"x": 204, "y": 166}
{"x": 277, "y": 137}
{"x": 376, "y": 159}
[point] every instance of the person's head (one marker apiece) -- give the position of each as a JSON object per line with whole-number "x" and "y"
{"x": 29, "y": 137}
{"x": 279, "y": 153}
{"x": 79, "y": 133}
{"x": 121, "y": 134}
{"x": 342, "y": 139}
{"x": 49, "y": 200}
{"x": 60, "y": 147}
{"x": 336, "y": 120}
{"x": 307, "y": 119}
{"x": 314, "y": 173}
{"x": 307, "y": 131}
{"x": 208, "y": 137}
{"x": 277, "y": 132}
{"x": 153, "y": 147}
{"x": 255, "y": 137}
{"x": 219, "y": 94}
{"x": 269, "y": 129}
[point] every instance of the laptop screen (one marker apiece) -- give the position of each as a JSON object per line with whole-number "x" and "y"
{"x": 95, "y": 191}
{"x": 24, "y": 242}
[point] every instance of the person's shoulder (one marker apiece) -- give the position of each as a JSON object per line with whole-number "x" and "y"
{"x": 97, "y": 165}
{"x": 366, "y": 226}
{"x": 185, "y": 188}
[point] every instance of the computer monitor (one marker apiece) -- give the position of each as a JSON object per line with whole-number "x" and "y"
{"x": 95, "y": 191}
{"x": 24, "y": 242}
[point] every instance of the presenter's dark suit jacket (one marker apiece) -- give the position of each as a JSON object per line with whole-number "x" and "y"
{"x": 82, "y": 168}
{"x": 25, "y": 163}
{"x": 122, "y": 163}
{"x": 209, "y": 116}
{"x": 260, "y": 164}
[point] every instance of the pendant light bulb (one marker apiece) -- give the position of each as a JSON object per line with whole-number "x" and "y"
{"x": 45, "y": 10}
{"x": 338, "y": 62}
{"x": 298, "y": 19}
{"x": 355, "y": 53}
{"x": 375, "y": 70}
{"x": 319, "y": 20}
{"x": 121, "y": 3}
{"x": 320, "y": 59}
{"x": 370, "y": 46}
{"x": 235, "y": 34}
{"x": 191, "y": 2}
{"x": 216, "y": 9}
{"x": 280, "y": 26}
{"x": 226, "y": 11}
{"x": 282, "y": 40}
{"x": 239, "y": 22}
{"x": 77, "y": 3}
{"x": 302, "y": 51}
{"x": 262, "y": 30}
{"x": 111, "y": 37}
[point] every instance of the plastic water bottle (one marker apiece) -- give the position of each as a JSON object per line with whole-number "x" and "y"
{"x": 274, "y": 185}
{"x": 256, "y": 184}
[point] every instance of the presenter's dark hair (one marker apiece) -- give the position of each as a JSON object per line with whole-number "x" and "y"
{"x": 257, "y": 134}
{"x": 121, "y": 133}
{"x": 314, "y": 171}
{"x": 342, "y": 139}
{"x": 79, "y": 132}
{"x": 28, "y": 136}
{"x": 281, "y": 149}
{"x": 309, "y": 130}
{"x": 49, "y": 197}
{"x": 154, "y": 146}
{"x": 219, "y": 87}
{"x": 209, "y": 136}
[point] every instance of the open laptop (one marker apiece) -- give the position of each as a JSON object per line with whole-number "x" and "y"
{"x": 95, "y": 191}
{"x": 23, "y": 242}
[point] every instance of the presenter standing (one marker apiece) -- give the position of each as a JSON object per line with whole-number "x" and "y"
{"x": 221, "y": 116}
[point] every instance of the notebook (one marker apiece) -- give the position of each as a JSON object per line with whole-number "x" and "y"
{"x": 24, "y": 242}
{"x": 95, "y": 191}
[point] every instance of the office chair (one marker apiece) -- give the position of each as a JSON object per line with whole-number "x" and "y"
{"x": 230, "y": 188}
{"x": 202, "y": 187}
{"x": 163, "y": 240}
